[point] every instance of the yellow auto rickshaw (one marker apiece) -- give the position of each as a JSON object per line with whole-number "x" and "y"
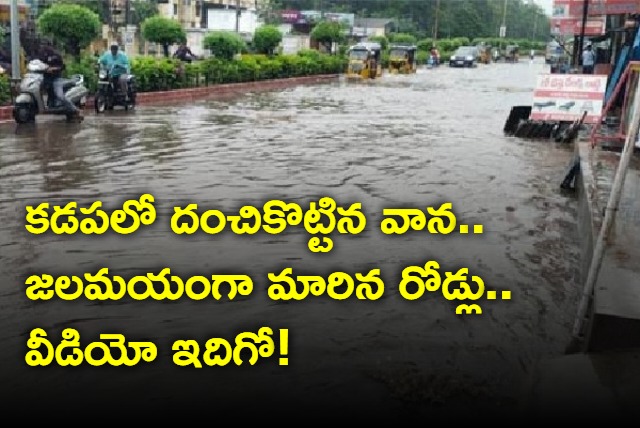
{"x": 364, "y": 61}
{"x": 485, "y": 53}
{"x": 512, "y": 53}
{"x": 402, "y": 59}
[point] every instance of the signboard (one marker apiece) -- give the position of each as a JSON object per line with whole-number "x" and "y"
{"x": 565, "y": 97}
{"x": 225, "y": 20}
{"x": 574, "y": 8}
{"x": 290, "y": 16}
{"x": 595, "y": 26}
{"x": 613, "y": 7}
{"x": 567, "y": 16}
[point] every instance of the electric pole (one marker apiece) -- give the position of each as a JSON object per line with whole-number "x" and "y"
{"x": 435, "y": 24}
{"x": 15, "y": 42}
{"x": 237, "y": 16}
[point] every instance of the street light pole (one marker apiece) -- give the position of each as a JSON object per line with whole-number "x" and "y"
{"x": 15, "y": 42}
{"x": 504, "y": 23}
{"x": 237, "y": 16}
{"x": 435, "y": 24}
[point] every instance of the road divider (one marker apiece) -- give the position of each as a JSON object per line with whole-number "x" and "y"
{"x": 192, "y": 94}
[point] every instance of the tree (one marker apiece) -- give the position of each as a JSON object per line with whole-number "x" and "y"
{"x": 164, "y": 31}
{"x": 327, "y": 33}
{"x": 224, "y": 44}
{"x": 141, "y": 10}
{"x": 73, "y": 25}
{"x": 101, "y": 8}
{"x": 266, "y": 39}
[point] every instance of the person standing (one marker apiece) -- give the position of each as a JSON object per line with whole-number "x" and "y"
{"x": 588, "y": 60}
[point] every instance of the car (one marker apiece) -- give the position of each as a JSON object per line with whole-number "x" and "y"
{"x": 464, "y": 56}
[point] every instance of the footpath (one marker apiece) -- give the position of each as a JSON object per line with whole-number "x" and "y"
{"x": 603, "y": 382}
{"x": 192, "y": 94}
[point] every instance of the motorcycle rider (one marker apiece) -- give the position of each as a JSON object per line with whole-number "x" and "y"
{"x": 113, "y": 58}
{"x": 53, "y": 77}
{"x": 184, "y": 54}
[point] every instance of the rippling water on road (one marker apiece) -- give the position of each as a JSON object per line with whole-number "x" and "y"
{"x": 402, "y": 141}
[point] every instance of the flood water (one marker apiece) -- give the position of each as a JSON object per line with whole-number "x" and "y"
{"x": 403, "y": 141}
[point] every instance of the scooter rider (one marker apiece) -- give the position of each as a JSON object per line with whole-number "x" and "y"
{"x": 53, "y": 77}
{"x": 115, "y": 57}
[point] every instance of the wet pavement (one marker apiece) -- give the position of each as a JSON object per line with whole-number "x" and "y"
{"x": 403, "y": 141}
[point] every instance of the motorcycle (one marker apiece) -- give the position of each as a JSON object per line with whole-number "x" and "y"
{"x": 32, "y": 99}
{"x": 109, "y": 95}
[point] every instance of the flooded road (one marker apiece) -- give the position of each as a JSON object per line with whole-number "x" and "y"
{"x": 403, "y": 141}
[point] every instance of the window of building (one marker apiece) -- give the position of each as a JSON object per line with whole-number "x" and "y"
{"x": 175, "y": 9}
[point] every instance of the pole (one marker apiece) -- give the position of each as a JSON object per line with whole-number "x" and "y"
{"x": 435, "y": 24}
{"x": 612, "y": 206}
{"x": 237, "y": 16}
{"x": 585, "y": 12}
{"x": 504, "y": 22}
{"x": 15, "y": 41}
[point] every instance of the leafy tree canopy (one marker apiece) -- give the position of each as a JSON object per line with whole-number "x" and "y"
{"x": 71, "y": 25}
{"x": 266, "y": 39}
{"x": 224, "y": 44}
{"x": 164, "y": 31}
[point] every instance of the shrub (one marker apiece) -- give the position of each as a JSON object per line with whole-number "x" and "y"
{"x": 266, "y": 39}
{"x": 73, "y": 25}
{"x": 164, "y": 31}
{"x": 224, "y": 44}
{"x": 5, "y": 89}
{"x": 86, "y": 66}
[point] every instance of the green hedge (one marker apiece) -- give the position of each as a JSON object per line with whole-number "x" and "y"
{"x": 162, "y": 74}
{"x": 5, "y": 89}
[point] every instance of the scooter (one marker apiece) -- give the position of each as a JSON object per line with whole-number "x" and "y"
{"x": 109, "y": 95}
{"x": 32, "y": 100}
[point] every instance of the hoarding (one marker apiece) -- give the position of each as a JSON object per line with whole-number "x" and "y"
{"x": 574, "y": 8}
{"x": 567, "y": 16}
{"x": 613, "y": 7}
{"x": 565, "y": 97}
{"x": 290, "y": 16}
{"x": 595, "y": 26}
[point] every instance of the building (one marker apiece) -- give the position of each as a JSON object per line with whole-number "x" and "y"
{"x": 204, "y": 13}
{"x": 5, "y": 11}
{"x": 369, "y": 27}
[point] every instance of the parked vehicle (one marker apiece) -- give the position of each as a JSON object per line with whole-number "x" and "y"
{"x": 109, "y": 94}
{"x": 464, "y": 56}
{"x": 485, "y": 53}
{"x": 512, "y": 53}
{"x": 402, "y": 59}
{"x": 364, "y": 61}
{"x": 33, "y": 99}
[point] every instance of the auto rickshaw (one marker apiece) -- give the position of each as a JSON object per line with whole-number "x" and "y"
{"x": 485, "y": 52}
{"x": 364, "y": 61}
{"x": 511, "y": 53}
{"x": 402, "y": 59}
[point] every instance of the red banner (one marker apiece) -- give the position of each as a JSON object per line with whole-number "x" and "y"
{"x": 573, "y": 26}
{"x": 574, "y": 8}
{"x": 613, "y": 7}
